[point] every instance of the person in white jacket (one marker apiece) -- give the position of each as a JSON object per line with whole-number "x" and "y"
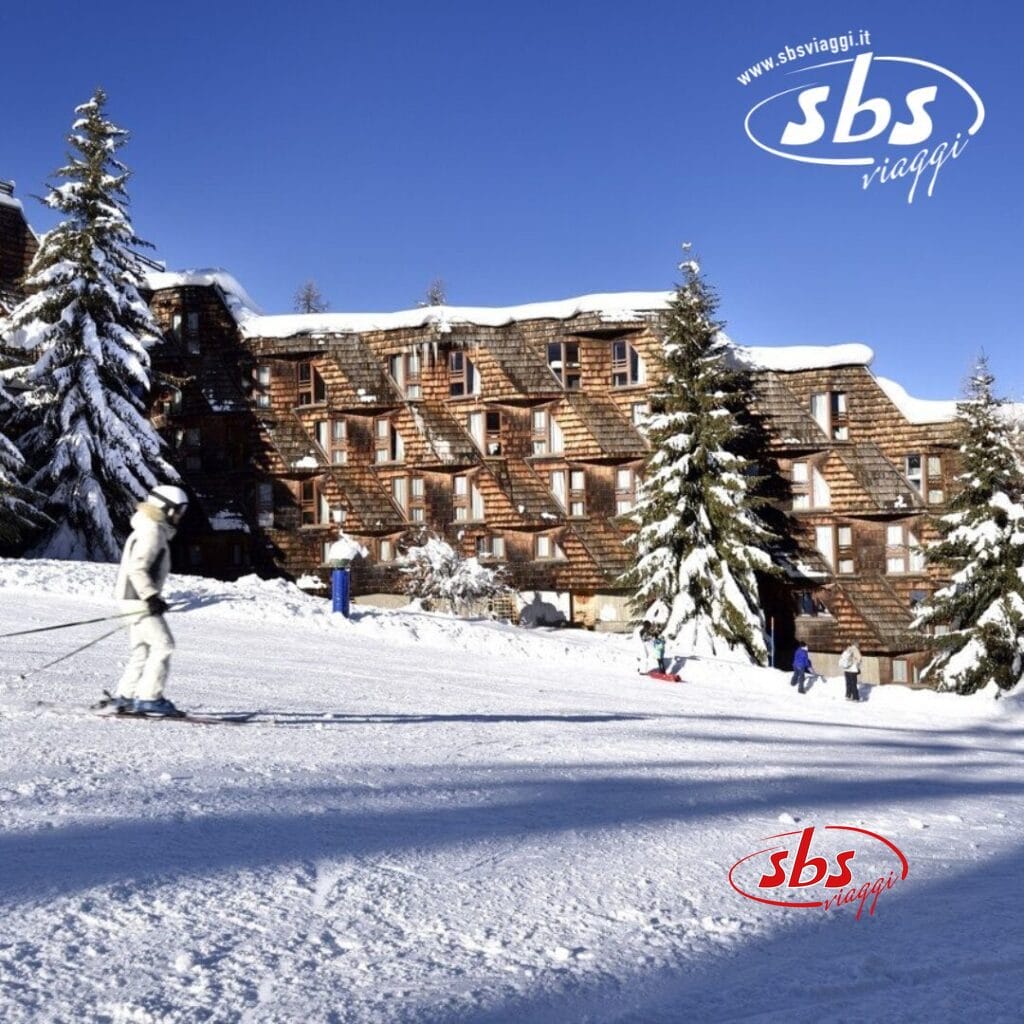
{"x": 849, "y": 662}
{"x": 145, "y": 564}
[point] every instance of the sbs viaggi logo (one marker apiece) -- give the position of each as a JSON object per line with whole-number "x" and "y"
{"x": 826, "y": 868}
{"x": 898, "y": 119}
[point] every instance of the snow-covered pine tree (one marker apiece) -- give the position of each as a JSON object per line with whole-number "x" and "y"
{"x": 699, "y": 541}
{"x": 84, "y": 329}
{"x": 981, "y": 548}
{"x": 18, "y": 512}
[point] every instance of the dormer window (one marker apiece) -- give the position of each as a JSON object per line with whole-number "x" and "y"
{"x": 485, "y": 429}
{"x": 389, "y": 446}
{"x": 547, "y": 435}
{"x": 924, "y": 473}
{"x": 564, "y": 361}
{"x": 310, "y": 385}
{"x": 627, "y": 366}
{"x": 405, "y": 371}
{"x": 463, "y": 380}
{"x": 332, "y": 436}
{"x": 829, "y": 409}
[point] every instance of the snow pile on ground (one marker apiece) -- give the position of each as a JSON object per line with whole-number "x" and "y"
{"x": 434, "y": 820}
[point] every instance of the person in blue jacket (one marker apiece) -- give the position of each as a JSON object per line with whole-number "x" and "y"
{"x": 801, "y": 666}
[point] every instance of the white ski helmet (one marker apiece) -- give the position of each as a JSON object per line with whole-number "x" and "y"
{"x": 173, "y": 500}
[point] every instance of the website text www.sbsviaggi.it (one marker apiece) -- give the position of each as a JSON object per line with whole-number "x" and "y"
{"x": 852, "y": 40}
{"x": 883, "y": 113}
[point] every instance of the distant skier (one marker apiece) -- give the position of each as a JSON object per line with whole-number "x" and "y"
{"x": 658, "y": 648}
{"x": 145, "y": 563}
{"x": 801, "y": 666}
{"x": 849, "y": 662}
{"x": 644, "y": 634}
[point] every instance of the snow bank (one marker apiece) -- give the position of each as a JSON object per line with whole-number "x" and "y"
{"x": 790, "y": 358}
{"x": 239, "y": 303}
{"x": 252, "y": 599}
{"x": 917, "y": 410}
{"x": 614, "y": 306}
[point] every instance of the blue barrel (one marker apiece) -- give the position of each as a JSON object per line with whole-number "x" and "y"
{"x": 340, "y": 591}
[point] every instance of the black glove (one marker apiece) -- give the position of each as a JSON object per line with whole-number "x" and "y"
{"x": 156, "y": 605}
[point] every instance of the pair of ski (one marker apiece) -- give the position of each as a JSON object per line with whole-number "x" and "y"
{"x": 103, "y": 708}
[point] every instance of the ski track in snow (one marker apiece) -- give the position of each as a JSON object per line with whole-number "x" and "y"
{"x": 446, "y": 821}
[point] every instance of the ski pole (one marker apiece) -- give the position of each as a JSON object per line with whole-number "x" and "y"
{"x": 71, "y": 654}
{"x": 68, "y": 625}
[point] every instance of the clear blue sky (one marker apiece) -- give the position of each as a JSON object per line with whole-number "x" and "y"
{"x": 530, "y": 151}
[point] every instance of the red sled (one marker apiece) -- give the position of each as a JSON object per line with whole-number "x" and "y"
{"x": 665, "y": 677}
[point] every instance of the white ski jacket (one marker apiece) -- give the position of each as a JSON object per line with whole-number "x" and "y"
{"x": 146, "y": 559}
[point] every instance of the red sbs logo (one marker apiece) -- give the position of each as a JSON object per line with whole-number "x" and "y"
{"x": 850, "y": 866}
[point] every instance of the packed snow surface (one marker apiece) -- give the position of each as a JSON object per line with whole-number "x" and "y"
{"x": 435, "y": 820}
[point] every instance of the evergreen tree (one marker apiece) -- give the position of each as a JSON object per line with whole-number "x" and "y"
{"x": 309, "y": 299}
{"x": 18, "y": 512}
{"x": 981, "y": 547}
{"x": 700, "y": 541}
{"x": 84, "y": 329}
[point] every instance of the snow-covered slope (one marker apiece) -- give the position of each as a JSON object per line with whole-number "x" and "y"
{"x": 434, "y": 820}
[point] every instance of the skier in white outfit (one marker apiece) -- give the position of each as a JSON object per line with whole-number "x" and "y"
{"x": 145, "y": 563}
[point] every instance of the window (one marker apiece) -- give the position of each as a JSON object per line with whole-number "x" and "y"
{"x": 903, "y": 552}
{"x": 638, "y": 413}
{"x": 844, "y": 540}
{"x": 468, "y": 501}
{"x": 627, "y": 366}
{"x": 417, "y": 500}
{"x": 564, "y": 360}
{"x": 313, "y": 510}
{"x": 625, "y": 491}
{"x": 332, "y": 436}
{"x": 547, "y": 548}
{"x": 547, "y": 434}
{"x": 924, "y": 474}
{"x": 490, "y": 548}
{"x": 400, "y": 494}
{"x": 809, "y": 487}
{"x": 556, "y": 481}
{"x": 169, "y": 402}
{"x": 192, "y": 333}
{"x": 310, "y": 385}
{"x": 825, "y": 541}
{"x": 485, "y": 429}
{"x": 386, "y": 550}
{"x": 577, "y": 492}
{"x": 388, "y": 443}
{"x": 492, "y": 432}
{"x": 176, "y": 326}
{"x": 261, "y": 375}
{"x": 405, "y": 371}
{"x": 829, "y": 410}
{"x": 899, "y": 670}
{"x": 463, "y": 379}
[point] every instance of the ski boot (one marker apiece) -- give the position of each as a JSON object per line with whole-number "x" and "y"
{"x": 159, "y": 707}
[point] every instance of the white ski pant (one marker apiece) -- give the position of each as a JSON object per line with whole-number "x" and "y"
{"x": 149, "y": 659}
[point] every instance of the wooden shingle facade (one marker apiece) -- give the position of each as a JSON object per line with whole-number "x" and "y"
{"x": 18, "y": 246}
{"x": 521, "y": 442}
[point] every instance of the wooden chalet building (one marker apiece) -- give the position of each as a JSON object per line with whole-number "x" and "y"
{"x": 517, "y": 435}
{"x": 18, "y": 246}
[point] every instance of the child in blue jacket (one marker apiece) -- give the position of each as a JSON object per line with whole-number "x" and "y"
{"x": 801, "y": 666}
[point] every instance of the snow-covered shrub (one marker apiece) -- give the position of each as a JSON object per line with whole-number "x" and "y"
{"x": 435, "y": 572}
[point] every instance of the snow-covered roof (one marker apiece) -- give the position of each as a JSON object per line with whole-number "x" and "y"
{"x": 9, "y": 200}
{"x": 917, "y": 410}
{"x": 613, "y": 307}
{"x": 239, "y": 302}
{"x": 790, "y": 358}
